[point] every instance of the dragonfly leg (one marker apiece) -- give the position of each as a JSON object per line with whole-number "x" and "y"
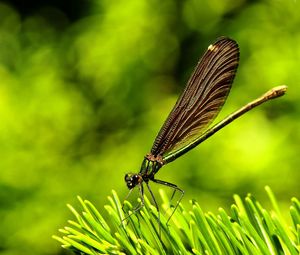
{"x": 175, "y": 188}
{"x": 157, "y": 208}
{"x": 139, "y": 206}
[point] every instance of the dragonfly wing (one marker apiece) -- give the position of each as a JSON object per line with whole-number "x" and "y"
{"x": 202, "y": 98}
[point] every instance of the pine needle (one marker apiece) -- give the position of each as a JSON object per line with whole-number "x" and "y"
{"x": 247, "y": 229}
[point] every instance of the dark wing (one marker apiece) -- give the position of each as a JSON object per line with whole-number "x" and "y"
{"x": 201, "y": 100}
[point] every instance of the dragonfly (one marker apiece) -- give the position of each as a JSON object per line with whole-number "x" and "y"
{"x": 190, "y": 121}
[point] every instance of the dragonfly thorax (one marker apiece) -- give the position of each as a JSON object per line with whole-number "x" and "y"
{"x": 149, "y": 168}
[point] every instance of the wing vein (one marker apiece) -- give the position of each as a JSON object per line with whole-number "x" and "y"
{"x": 202, "y": 98}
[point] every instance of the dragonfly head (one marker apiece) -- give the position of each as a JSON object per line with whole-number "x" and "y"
{"x": 132, "y": 180}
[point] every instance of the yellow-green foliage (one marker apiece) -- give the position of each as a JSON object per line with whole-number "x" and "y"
{"x": 247, "y": 229}
{"x": 81, "y": 101}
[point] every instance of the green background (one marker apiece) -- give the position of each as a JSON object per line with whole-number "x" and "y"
{"x": 82, "y": 100}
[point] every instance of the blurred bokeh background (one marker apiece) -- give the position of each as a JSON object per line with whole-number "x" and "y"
{"x": 86, "y": 85}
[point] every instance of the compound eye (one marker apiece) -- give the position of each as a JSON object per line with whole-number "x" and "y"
{"x": 135, "y": 178}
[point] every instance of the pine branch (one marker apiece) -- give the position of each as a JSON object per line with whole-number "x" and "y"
{"x": 247, "y": 229}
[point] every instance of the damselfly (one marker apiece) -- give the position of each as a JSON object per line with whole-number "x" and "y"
{"x": 188, "y": 124}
